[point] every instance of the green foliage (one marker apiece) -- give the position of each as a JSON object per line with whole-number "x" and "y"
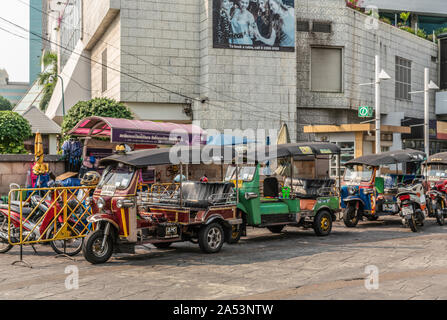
{"x": 408, "y": 29}
{"x": 14, "y": 129}
{"x": 404, "y": 16}
{"x": 48, "y": 79}
{"x": 421, "y": 33}
{"x": 101, "y": 107}
{"x": 440, "y": 31}
{"x": 386, "y": 20}
{"x": 5, "y": 104}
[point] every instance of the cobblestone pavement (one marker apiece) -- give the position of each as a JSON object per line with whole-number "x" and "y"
{"x": 292, "y": 265}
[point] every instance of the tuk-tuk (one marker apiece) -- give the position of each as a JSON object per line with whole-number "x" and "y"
{"x": 204, "y": 213}
{"x": 367, "y": 193}
{"x": 436, "y": 174}
{"x": 309, "y": 203}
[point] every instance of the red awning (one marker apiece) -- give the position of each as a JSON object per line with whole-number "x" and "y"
{"x": 138, "y": 131}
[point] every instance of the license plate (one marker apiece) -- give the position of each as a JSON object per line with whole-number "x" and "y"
{"x": 171, "y": 231}
{"x": 108, "y": 191}
{"x": 408, "y": 210}
{"x": 389, "y": 207}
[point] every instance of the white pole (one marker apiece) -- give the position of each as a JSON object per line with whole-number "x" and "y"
{"x": 377, "y": 100}
{"x": 426, "y": 111}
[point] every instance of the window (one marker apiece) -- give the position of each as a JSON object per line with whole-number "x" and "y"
{"x": 347, "y": 153}
{"x": 302, "y": 25}
{"x": 318, "y": 26}
{"x": 104, "y": 70}
{"x": 326, "y": 69}
{"x": 403, "y": 79}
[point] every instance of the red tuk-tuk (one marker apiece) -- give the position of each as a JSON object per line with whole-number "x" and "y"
{"x": 204, "y": 213}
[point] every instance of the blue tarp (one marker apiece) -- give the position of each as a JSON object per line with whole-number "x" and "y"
{"x": 227, "y": 140}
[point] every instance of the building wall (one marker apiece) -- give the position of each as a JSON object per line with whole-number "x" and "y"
{"x": 247, "y": 89}
{"x": 13, "y": 91}
{"x": 35, "y": 42}
{"x": 360, "y": 45}
{"x": 170, "y": 45}
{"x": 109, "y": 41}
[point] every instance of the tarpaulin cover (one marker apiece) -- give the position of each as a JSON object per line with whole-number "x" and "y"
{"x": 264, "y": 153}
{"x": 390, "y": 157}
{"x": 174, "y": 155}
{"x": 139, "y": 131}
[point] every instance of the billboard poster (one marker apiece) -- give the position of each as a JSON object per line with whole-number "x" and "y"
{"x": 267, "y": 25}
{"x": 146, "y": 137}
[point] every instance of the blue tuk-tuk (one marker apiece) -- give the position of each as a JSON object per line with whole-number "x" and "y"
{"x": 370, "y": 185}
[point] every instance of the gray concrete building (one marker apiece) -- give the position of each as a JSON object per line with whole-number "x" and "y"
{"x": 161, "y": 62}
{"x": 13, "y": 91}
{"x": 337, "y": 47}
{"x": 160, "y": 58}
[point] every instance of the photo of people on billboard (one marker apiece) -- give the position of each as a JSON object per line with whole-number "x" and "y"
{"x": 267, "y": 25}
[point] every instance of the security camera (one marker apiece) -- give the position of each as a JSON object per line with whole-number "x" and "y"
{"x": 204, "y": 99}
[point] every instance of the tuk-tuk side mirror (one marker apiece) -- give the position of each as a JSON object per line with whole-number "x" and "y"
{"x": 379, "y": 183}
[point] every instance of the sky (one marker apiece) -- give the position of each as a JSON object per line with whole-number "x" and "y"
{"x": 14, "y": 51}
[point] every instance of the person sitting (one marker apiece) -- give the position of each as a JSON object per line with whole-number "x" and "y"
{"x": 204, "y": 178}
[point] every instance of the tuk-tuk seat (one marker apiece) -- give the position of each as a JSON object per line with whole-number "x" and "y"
{"x": 202, "y": 194}
{"x": 271, "y": 187}
{"x": 311, "y": 188}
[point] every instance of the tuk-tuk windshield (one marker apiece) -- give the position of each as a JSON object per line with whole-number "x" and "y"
{"x": 358, "y": 173}
{"x": 117, "y": 176}
{"x": 438, "y": 171}
{"x": 244, "y": 173}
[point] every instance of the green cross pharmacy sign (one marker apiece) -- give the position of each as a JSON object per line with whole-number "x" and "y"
{"x": 365, "y": 112}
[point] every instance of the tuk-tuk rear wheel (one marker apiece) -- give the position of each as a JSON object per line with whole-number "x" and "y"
{"x": 323, "y": 223}
{"x": 211, "y": 238}
{"x": 92, "y": 250}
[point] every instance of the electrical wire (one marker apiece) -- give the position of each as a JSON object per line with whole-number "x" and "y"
{"x": 256, "y": 108}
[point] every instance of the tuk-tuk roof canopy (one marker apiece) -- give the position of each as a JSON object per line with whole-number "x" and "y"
{"x": 138, "y": 131}
{"x": 265, "y": 153}
{"x": 174, "y": 155}
{"x": 438, "y": 158}
{"x": 389, "y": 157}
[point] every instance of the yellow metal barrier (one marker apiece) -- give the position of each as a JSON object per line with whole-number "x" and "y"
{"x": 48, "y": 214}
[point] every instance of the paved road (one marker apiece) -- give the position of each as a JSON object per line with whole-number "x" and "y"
{"x": 292, "y": 265}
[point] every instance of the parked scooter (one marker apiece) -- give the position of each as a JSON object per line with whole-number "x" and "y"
{"x": 412, "y": 205}
{"x": 38, "y": 223}
{"x": 437, "y": 201}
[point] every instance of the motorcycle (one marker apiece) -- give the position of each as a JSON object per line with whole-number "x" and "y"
{"x": 437, "y": 202}
{"x": 412, "y": 205}
{"x": 39, "y": 223}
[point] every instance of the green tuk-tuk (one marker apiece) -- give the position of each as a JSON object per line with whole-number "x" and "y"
{"x": 301, "y": 202}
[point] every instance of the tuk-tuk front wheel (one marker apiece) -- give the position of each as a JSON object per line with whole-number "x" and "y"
{"x": 233, "y": 233}
{"x": 93, "y": 249}
{"x": 323, "y": 223}
{"x": 211, "y": 238}
{"x": 351, "y": 216}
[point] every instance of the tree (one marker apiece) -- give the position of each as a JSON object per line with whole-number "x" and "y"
{"x": 5, "y": 104}
{"x": 14, "y": 130}
{"x": 48, "y": 78}
{"x": 102, "y": 107}
{"x": 405, "y": 16}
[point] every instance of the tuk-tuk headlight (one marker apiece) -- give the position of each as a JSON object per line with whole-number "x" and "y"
{"x": 101, "y": 203}
{"x": 119, "y": 204}
{"x": 352, "y": 191}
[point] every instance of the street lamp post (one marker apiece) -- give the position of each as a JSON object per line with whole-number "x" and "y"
{"x": 428, "y": 85}
{"x": 380, "y": 75}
